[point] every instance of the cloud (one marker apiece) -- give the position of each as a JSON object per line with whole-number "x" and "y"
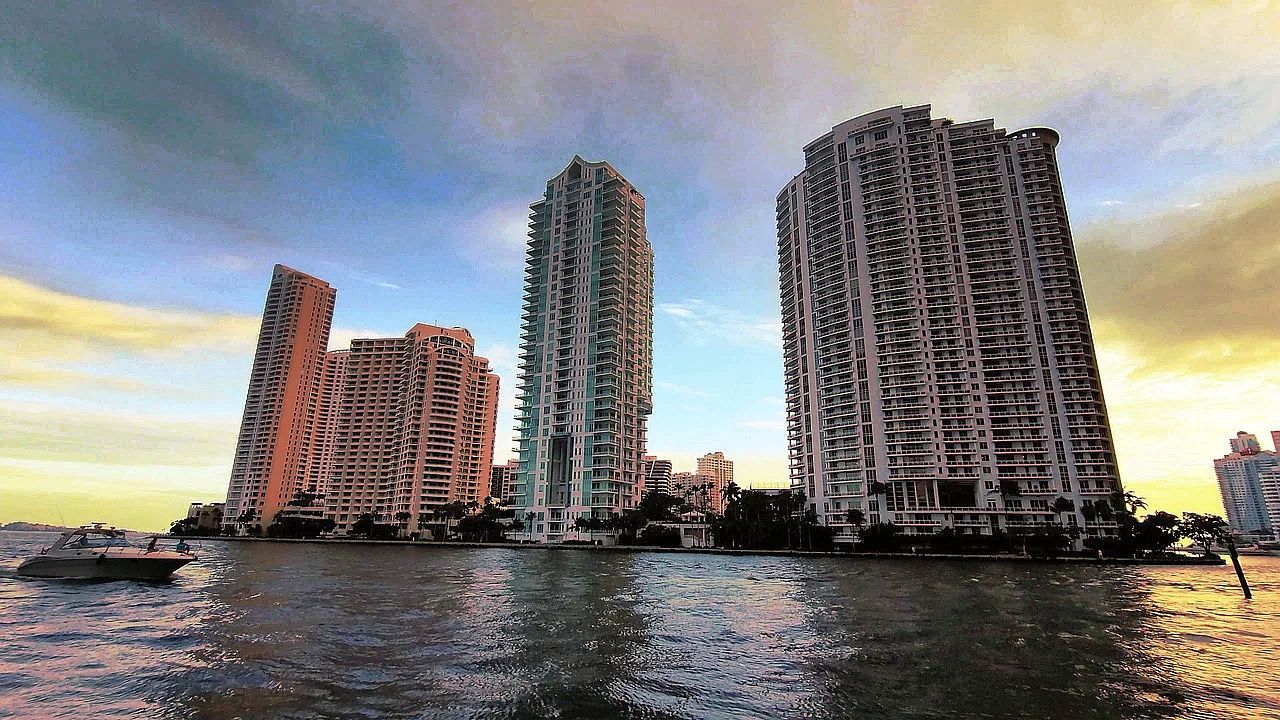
{"x": 1191, "y": 290}
{"x": 1112, "y": 203}
{"x": 48, "y": 432}
{"x": 679, "y": 389}
{"x": 40, "y": 323}
{"x": 703, "y": 322}
{"x": 223, "y": 83}
{"x": 495, "y": 238}
{"x": 340, "y": 337}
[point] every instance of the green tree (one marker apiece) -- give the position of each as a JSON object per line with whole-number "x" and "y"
{"x": 1204, "y": 530}
{"x": 1157, "y": 531}
{"x": 879, "y": 537}
{"x": 856, "y": 518}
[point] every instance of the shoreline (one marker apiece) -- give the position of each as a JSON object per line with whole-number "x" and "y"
{"x": 459, "y": 545}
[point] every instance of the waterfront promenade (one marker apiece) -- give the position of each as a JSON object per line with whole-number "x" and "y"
{"x": 460, "y": 545}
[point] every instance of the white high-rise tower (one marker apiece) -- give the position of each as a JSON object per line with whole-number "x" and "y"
{"x": 939, "y": 364}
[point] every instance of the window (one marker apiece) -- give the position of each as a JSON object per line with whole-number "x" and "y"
{"x": 882, "y": 135}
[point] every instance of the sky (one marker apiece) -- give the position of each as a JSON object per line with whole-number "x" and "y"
{"x": 158, "y": 158}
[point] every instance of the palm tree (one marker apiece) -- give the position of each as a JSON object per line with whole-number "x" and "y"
{"x": 579, "y": 524}
{"x": 246, "y": 517}
{"x": 1090, "y": 513}
{"x": 857, "y": 519}
{"x": 1061, "y": 506}
{"x": 402, "y": 520}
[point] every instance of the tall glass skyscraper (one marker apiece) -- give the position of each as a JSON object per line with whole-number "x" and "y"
{"x": 586, "y": 354}
{"x": 939, "y": 364}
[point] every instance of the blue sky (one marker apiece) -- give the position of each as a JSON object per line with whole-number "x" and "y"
{"x": 158, "y": 158}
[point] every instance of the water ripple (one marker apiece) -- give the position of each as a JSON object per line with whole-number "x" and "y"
{"x": 298, "y": 631}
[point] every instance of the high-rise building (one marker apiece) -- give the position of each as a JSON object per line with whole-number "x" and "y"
{"x": 1249, "y": 481}
{"x": 500, "y": 480}
{"x": 1245, "y": 443}
{"x": 416, "y": 427}
{"x": 720, "y": 471}
{"x": 657, "y": 475}
{"x": 694, "y": 488}
{"x": 328, "y": 412}
{"x": 935, "y": 332}
{"x": 273, "y": 453}
{"x": 586, "y": 351}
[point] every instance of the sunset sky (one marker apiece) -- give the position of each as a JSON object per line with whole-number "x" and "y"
{"x": 157, "y": 159}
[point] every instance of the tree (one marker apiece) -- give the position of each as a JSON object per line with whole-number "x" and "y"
{"x": 1204, "y": 530}
{"x": 366, "y": 525}
{"x": 856, "y": 518}
{"x": 1157, "y": 532}
{"x": 286, "y": 525}
{"x": 659, "y": 506}
{"x": 879, "y": 537}
{"x": 402, "y": 520}
{"x": 246, "y": 517}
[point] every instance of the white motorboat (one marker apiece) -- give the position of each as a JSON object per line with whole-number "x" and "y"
{"x": 98, "y": 552}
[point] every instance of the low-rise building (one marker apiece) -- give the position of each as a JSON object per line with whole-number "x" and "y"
{"x": 208, "y": 516}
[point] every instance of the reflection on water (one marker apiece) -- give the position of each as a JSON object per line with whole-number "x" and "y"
{"x": 305, "y": 631}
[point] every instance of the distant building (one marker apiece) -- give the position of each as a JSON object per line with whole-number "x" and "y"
{"x": 416, "y": 427}
{"x": 657, "y": 475}
{"x": 720, "y": 470}
{"x": 1246, "y": 443}
{"x": 937, "y": 347}
{"x": 208, "y": 516}
{"x": 273, "y": 458}
{"x": 694, "y": 488}
{"x": 500, "y": 480}
{"x": 586, "y": 352}
{"x": 1249, "y": 481}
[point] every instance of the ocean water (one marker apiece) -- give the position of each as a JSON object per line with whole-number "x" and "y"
{"x": 307, "y": 631}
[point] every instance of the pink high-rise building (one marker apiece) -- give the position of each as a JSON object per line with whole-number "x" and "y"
{"x": 719, "y": 470}
{"x": 273, "y": 454}
{"x": 416, "y": 427}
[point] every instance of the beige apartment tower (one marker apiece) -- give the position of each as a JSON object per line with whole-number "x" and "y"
{"x": 273, "y": 459}
{"x": 720, "y": 471}
{"x": 415, "y": 429}
{"x": 586, "y": 352}
{"x": 939, "y": 364}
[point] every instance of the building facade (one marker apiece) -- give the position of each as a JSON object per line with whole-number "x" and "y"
{"x": 208, "y": 516}
{"x": 657, "y": 475}
{"x": 415, "y": 430}
{"x": 500, "y": 480}
{"x": 695, "y": 489}
{"x": 1245, "y": 443}
{"x": 939, "y": 363}
{"x": 273, "y": 451}
{"x": 720, "y": 471}
{"x": 585, "y": 385}
{"x": 1249, "y": 482}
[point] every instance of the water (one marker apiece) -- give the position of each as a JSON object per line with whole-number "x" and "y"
{"x": 306, "y": 631}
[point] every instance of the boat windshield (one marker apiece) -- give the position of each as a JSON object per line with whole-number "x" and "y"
{"x": 98, "y": 541}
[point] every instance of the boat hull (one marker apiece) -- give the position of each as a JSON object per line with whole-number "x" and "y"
{"x": 105, "y": 568}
